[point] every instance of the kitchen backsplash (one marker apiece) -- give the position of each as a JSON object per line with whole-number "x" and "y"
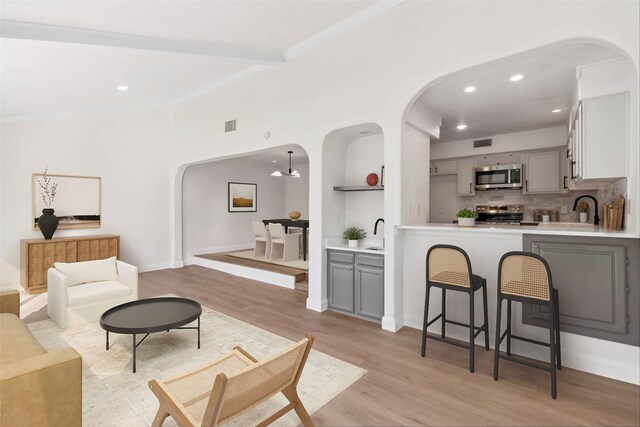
{"x": 532, "y": 202}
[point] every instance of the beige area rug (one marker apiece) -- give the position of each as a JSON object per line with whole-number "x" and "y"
{"x": 114, "y": 396}
{"x": 299, "y": 264}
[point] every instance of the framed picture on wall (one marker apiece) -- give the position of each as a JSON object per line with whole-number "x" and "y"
{"x": 243, "y": 197}
{"x": 77, "y": 202}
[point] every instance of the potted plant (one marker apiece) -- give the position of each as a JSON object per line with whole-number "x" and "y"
{"x": 47, "y": 222}
{"x": 353, "y": 234}
{"x": 467, "y": 217}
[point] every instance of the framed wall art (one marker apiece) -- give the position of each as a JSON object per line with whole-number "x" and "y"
{"x": 77, "y": 200}
{"x": 243, "y": 197}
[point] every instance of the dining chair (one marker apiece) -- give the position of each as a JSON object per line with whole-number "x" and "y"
{"x": 283, "y": 245}
{"x": 262, "y": 239}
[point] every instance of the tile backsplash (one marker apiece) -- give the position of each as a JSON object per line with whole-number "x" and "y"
{"x": 532, "y": 202}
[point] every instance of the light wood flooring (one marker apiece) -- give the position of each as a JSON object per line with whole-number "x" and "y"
{"x": 402, "y": 388}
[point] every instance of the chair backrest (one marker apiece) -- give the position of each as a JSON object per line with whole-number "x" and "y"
{"x": 526, "y": 275}
{"x": 449, "y": 265}
{"x": 276, "y": 230}
{"x": 259, "y": 229}
{"x": 253, "y": 385}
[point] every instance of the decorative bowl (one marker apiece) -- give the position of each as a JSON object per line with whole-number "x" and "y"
{"x": 295, "y": 215}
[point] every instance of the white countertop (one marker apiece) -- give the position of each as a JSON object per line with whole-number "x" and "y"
{"x": 340, "y": 244}
{"x": 557, "y": 228}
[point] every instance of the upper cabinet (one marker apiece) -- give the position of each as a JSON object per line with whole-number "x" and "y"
{"x": 598, "y": 140}
{"x": 466, "y": 178}
{"x": 542, "y": 172}
{"x": 443, "y": 167}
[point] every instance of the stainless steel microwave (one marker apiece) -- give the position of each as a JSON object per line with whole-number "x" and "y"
{"x": 499, "y": 176}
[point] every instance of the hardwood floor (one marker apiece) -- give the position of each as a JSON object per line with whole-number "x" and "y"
{"x": 402, "y": 388}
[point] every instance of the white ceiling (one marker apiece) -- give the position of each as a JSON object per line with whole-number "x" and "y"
{"x": 40, "y": 77}
{"x": 499, "y": 106}
{"x": 279, "y": 154}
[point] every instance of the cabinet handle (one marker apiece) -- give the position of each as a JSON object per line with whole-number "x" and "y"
{"x": 526, "y": 185}
{"x": 564, "y": 182}
{"x": 469, "y": 188}
{"x": 573, "y": 176}
{"x": 436, "y": 169}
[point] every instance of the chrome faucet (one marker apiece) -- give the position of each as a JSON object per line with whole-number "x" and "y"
{"x": 596, "y": 218}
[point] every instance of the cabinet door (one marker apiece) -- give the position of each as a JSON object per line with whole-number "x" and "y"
{"x": 466, "y": 178}
{"x": 542, "y": 172}
{"x": 591, "y": 280}
{"x": 342, "y": 287}
{"x": 370, "y": 292}
{"x": 444, "y": 167}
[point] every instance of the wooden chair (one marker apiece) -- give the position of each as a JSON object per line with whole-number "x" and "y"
{"x": 230, "y": 386}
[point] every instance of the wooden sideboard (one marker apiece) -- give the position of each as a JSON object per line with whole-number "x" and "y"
{"x": 38, "y": 255}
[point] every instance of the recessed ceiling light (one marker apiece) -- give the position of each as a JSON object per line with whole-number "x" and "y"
{"x": 461, "y": 126}
{"x": 557, "y": 110}
{"x": 470, "y": 89}
{"x": 516, "y": 77}
{"x": 274, "y": 161}
{"x": 123, "y": 88}
{"x": 364, "y": 132}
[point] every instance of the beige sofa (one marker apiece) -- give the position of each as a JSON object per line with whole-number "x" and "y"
{"x": 37, "y": 388}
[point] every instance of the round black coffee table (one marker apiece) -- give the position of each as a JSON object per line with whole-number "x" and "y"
{"x": 150, "y": 315}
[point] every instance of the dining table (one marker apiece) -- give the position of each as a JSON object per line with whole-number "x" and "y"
{"x": 288, "y": 222}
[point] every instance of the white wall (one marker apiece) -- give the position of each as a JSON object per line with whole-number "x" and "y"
{"x": 369, "y": 73}
{"x": 415, "y": 176}
{"x": 208, "y": 226}
{"x": 364, "y": 155}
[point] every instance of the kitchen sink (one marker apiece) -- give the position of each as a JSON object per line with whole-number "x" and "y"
{"x": 375, "y": 248}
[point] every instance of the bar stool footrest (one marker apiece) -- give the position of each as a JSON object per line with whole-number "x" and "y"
{"x": 453, "y": 322}
{"x": 525, "y": 362}
{"x": 445, "y": 340}
{"x": 434, "y": 319}
{"x": 515, "y": 337}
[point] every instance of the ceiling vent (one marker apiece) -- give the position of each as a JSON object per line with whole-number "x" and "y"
{"x": 482, "y": 143}
{"x": 230, "y": 126}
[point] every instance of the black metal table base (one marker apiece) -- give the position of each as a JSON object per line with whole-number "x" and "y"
{"x": 136, "y": 344}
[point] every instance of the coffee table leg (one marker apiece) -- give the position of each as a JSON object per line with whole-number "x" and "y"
{"x": 198, "y": 333}
{"x": 107, "y": 340}
{"x": 134, "y": 353}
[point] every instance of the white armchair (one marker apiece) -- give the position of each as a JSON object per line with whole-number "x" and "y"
{"x": 79, "y": 292}
{"x": 283, "y": 245}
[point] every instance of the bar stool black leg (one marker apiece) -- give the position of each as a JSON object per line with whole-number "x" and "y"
{"x": 444, "y": 311}
{"x": 552, "y": 349}
{"x": 471, "y": 332}
{"x": 426, "y": 320}
{"x": 557, "y": 306}
{"x": 508, "y": 327}
{"x": 496, "y": 350}
{"x": 486, "y": 316}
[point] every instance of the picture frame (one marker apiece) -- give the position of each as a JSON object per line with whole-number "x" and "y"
{"x": 77, "y": 204}
{"x": 243, "y": 197}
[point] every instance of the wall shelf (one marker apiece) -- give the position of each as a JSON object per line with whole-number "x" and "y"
{"x": 359, "y": 188}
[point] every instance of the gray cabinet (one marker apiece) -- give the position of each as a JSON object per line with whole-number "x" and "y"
{"x": 598, "y": 284}
{"x": 356, "y": 284}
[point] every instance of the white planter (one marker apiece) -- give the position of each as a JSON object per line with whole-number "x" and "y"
{"x": 466, "y": 222}
{"x": 353, "y": 243}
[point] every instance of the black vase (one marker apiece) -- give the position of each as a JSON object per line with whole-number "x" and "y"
{"x": 48, "y": 223}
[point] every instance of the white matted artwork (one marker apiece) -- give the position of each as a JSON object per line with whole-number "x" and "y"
{"x": 77, "y": 200}
{"x": 243, "y": 197}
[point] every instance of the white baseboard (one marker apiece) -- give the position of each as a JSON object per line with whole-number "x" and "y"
{"x": 269, "y": 277}
{"x": 392, "y": 324}
{"x": 153, "y": 267}
{"x": 614, "y": 360}
{"x": 319, "y": 305}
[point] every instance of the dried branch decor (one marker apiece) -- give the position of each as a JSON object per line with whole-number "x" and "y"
{"x": 47, "y": 187}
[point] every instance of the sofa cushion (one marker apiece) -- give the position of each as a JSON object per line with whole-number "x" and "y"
{"x": 16, "y": 341}
{"x": 89, "y": 293}
{"x": 88, "y": 271}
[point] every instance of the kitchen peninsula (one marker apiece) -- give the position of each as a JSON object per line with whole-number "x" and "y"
{"x": 597, "y": 273}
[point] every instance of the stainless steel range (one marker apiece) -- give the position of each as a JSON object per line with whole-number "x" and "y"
{"x": 499, "y": 214}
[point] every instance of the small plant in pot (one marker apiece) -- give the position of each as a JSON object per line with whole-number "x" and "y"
{"x": 353, "y": 235}
{"x": 467, "y": 217}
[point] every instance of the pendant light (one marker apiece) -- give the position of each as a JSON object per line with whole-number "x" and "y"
{"x": 289, "y": 172}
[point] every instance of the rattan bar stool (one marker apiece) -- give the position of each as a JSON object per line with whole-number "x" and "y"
{"x": 525, "y": 277}
{"x": 449, "y": 268}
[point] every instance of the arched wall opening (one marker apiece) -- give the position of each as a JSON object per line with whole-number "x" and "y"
{"x": 510, "y": 113}
{"x": 206, "y": 223}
